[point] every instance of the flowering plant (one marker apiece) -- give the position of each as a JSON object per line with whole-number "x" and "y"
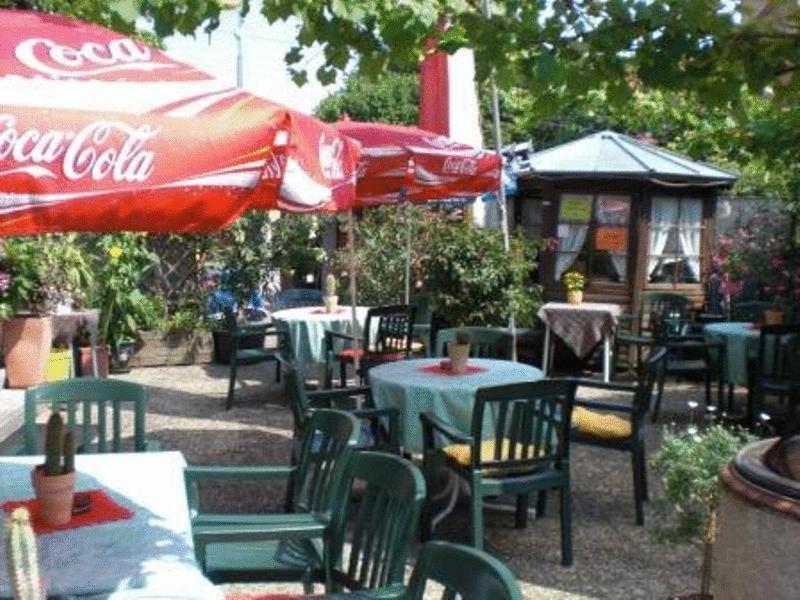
{"x": 573, "y": 281}
{"x": 758, "y": 261}
{"x": 5, "y": 285}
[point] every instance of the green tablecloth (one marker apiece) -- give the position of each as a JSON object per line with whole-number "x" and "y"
{"x": 405, "y": 386}
{"x": 306, "y": 326}
{"x": 741, "y": 342}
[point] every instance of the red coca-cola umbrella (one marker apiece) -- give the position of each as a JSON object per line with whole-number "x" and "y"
{"x": 99, "y": 132}
{"x": 417, "y": 164}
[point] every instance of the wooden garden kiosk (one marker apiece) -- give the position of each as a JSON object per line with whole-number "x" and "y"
{"x": 631, "y": 216}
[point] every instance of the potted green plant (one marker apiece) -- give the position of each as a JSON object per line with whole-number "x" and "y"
{"x": 574, "y": 282}
{"x": 330, "y": 298}
{"x": 54, "y": 480}
{"x": 458, "y": 350}
{"x": 27, "y": 329}
{"x": 690, "y": 463}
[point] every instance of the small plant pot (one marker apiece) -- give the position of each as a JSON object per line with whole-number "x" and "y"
{"x": 55, "y": 494}
{"x": 773, "y": 317}
{"x": 459, "y": 355}
{"x": 575, "y": 296}
{"x": 86, "y": 361}
{"x": 122, "y": 356}
{"x": 331, "y": 303}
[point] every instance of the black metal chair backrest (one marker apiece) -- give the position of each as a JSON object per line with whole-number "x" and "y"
{"x": 779, "y": 352}
{"x": 665, "y": 312}
{"x": 752, "y": 310}
{"x": 389, "y": 329}
{"x": 530, "y": 425}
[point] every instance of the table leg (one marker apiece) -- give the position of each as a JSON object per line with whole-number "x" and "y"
{"x": 546, "y": 350}
{"x": 93, "y": 342}
{"x": 607, "y": 358}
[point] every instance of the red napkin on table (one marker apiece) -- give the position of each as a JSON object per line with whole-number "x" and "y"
{"x": 443, "y": 368}
{"x": 103, "y": 509}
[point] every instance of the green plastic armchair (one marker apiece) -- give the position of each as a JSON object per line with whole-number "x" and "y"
{"x": 379, "y": 426}
{"x": 277, "y": 547}
{"x": 463, "y": 571}
{"x": 83, "y": 398}
{"x": 519, "y": 444}
{"x": 487, "y": 342}
{"x": 384, "y": 493}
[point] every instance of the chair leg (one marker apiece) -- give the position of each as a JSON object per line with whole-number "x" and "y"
{"x": 277, "y": 371}
{"x": 643, "y": 467}
{"x": 521, "y": 515}
{"x": 231, "y": 387}
{"x": 541, "y": 504}
{"x": 638, "y": 491}
{"x": 659, "y": 393}
{"x": 476, "y": 518}
{"x": 708, "y": 388}
{"x": 565, "y": 501}
{"x": 343, "y": 374}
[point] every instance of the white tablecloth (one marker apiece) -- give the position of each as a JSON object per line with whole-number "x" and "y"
{"x": 147, "y": 556}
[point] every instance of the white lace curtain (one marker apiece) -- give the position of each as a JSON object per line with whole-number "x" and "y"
{"x": 689, "y": 234}
{"x": 663, "y": 217}
{"x": 571, "y": 237}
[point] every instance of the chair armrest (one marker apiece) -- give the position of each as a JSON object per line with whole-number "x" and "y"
{"x": 602, "y": 385}
{"x": 262, "y": 473}
{"x": 432, "y": 422}
{"x": 342, "y": 336}
{"x": 628, "y": 338}
{"x": 393, "y": 591}
{"x": 273, "y": 527}
{"x": 689, "y": 344}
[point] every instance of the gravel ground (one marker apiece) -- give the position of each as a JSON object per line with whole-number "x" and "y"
{"x": 613, "y": 557}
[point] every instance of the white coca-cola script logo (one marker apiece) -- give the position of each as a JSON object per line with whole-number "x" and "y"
{"x": 91, "y": 59}
{"x": 460, "y": 166}
{"x": 90, "y": 152}
{"x": 441, "y": 142}
{"x": 330, "y": 157}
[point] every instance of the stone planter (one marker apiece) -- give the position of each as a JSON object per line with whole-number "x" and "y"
{"x": 155, "y": 348}
{"x": 26, "y": 349}
{"x": 756, "y": 550}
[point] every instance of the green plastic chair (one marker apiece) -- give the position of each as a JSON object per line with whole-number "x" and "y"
{"x": 384, "y": 493}
{"x": 519, "y": 444}
{"x": 277, "y": 547}
{"x": 464, "y": 572}
{"x": 241, "y": 355}
{"x": 77, "y": 397}
{"x": 487, "y": 342}
{"x": 379, "y": 426}
{"x": 621, "y": 425}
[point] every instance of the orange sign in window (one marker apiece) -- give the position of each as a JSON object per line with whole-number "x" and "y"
{"x": 612, "y": 239}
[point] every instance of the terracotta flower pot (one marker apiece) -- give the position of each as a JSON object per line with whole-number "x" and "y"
{"x": 331, "y": 303}
{"x": 86, "y": 361}
{"x": 459, "y": 355}
{"x": 26, "y": 348}
{"x": 575, "y": 296}
{"x": 54, "y": 493}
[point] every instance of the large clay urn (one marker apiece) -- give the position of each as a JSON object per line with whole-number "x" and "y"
{"x": 26, "y": 349}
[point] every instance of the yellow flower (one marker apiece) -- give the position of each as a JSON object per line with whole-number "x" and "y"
{"x": 115, "y": 252}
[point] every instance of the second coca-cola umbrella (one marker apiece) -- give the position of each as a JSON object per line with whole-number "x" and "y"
{"x": 99, "y": 132}
{"x": 407, "y": 164}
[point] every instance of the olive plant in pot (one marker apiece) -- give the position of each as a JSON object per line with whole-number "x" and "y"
{"x": 458, "y": 350}
{"x": 574, "y": 282}
{"x": 54, "y": 481}
{"x": 690, "y": 463}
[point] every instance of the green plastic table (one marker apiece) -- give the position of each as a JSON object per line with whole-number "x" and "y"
{"x": 741, "y": 342}
{"x": 307, "y": 324}
{"x": 406, "y": 386}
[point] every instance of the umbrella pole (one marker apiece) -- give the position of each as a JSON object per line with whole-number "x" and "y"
{"x": 351, "y": 235}
{"x": 501, "y": 196}
{"x": 408, "y": 248}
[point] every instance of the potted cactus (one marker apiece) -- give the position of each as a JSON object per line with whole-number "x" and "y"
{"x": 21, "y": 560}
{"x": 54, "y": 481}
{"x": 458, "y": 350}
{"x": 330, "y": 298}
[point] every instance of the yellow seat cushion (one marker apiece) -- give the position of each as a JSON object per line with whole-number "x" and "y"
{"x": 461, "y": 454}
{"x": 595, "y": 424}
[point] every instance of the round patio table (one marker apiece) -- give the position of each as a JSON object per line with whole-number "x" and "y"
{"x": 416, "y": 386}
{"x": 741, "y": 343}
{"x": 306, "y": 326}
